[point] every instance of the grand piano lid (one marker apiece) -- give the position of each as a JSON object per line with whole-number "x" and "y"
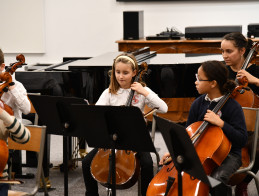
{"x": 106, "y": 60}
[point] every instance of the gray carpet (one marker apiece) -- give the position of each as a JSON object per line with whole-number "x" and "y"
{"x": 76, "y": 183}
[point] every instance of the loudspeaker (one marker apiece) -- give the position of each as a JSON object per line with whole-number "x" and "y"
{"x": 133, "y": 25}
{"x": 253, "y": 30}
{"x": 200, "y": 32}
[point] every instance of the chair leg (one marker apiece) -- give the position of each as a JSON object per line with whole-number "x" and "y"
{"x": 139, "y": 185}
{"x": 44, "y": 183}
{"x": 153, "y": 132}
{"x": 257, "y": 184}
{"x": 255, "y": 179}
{"x": 157, "y": 161}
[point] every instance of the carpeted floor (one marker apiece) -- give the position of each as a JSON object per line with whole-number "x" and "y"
{"x": 76, "y": 183}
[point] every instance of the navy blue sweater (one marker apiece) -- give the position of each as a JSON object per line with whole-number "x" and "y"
{"x": 232, "y": 115}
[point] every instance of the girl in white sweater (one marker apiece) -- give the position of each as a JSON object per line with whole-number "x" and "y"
{"x": 124, "y": 70}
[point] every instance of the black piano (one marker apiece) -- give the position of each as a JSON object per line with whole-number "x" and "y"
{"x": 169, "y": 75}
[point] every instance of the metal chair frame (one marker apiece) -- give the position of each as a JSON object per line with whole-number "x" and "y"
{"x": 247, "y": 170}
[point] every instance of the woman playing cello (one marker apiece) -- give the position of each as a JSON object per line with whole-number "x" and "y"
{"x": 235, "y": 48}
{"x": 213, "y": 83}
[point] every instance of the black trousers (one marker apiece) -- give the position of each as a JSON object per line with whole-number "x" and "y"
{"x": 91, "y": 186}
{"x": 223, "y": 173}
{"x": 4, "y": 189}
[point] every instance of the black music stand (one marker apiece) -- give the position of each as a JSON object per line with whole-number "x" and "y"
{"x": 183, "y": 153}
{"x": 111, "y": 127}
{"x": 48, "y": 109}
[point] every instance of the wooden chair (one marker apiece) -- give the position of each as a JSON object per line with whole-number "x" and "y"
{"x": 252, "y": 124}
{"x": 178, "y": 111}
{"x": 35, "y": 144}
{"x": 33, "y": 111}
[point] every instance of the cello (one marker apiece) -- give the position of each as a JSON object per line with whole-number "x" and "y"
{"x": 127, "y": 164}
{"x": 246, "y": 97}
{"x": 202, "y": 134}
{"x": 4, "y": 153}
{"x": 6, "y": 78}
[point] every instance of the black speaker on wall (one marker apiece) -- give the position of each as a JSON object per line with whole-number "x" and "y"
{"x": 133, "y": 25}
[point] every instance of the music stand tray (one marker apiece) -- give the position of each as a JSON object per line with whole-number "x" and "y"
{"x": 183, "y": 153}
{"x": 97, "y": 124}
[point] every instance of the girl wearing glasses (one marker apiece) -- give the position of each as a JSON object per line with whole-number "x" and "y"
{"x": 213, "y": 83}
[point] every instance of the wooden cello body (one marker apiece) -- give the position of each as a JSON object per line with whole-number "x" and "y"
{"x": 247, "y": 99}
{"x": 4, "y": 153}
{"x": 127, "y": 168}
{"x": 126, "y": 163}
{"x": 210, "y": 157}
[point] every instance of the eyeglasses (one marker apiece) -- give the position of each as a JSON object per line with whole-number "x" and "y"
{"x": 199, "y": 80}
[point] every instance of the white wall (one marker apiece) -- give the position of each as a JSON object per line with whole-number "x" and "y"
{"x": 87, "y": 28}
{"x": 20, "y": 31}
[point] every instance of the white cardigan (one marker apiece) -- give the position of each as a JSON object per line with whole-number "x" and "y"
{"x": 152, "y": 100}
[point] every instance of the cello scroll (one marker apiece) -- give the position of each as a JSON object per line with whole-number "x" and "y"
{"x": 7, "y": 81}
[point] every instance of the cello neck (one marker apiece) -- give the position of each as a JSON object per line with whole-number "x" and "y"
{"x": 130, "y": 97}
{"x": 249, "y": 57}
{"x": 204, "y": 125}
{"x": 143, "y": 68}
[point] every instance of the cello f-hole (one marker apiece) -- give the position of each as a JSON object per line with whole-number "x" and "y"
{"x": 127, "y": 152}
{"x": 170, "y": 169}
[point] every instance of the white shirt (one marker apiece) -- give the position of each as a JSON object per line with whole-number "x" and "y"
{"x": 17, "y": 99}
{"x": 119, "y": 99}
{"x": 215, "y": 99}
